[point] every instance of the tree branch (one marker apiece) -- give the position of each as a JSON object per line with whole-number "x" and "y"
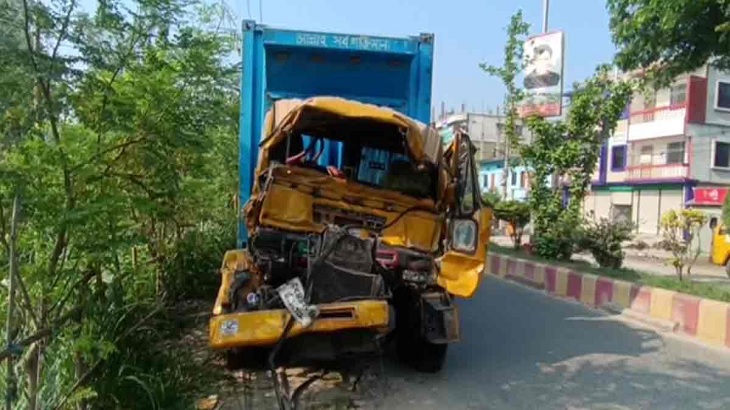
{"x": 64, "y": 28}
{"x": 41, "y": 334}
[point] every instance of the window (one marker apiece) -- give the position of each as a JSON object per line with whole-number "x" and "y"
{"x": 678, "y": 94}
{"x": 514, "y": 177}
{"x": 485, "y": 182}
{"x": 523, "y": 179}
{"x": 646, "y": 155}
{"x": 392, "y": 171}
{"x": 618, "y": 158}
{"x": 721, "y": 154}
{"x": 722, "y": 97}
{"x": 675, "y": 153}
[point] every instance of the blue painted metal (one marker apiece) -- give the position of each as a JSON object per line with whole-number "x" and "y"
{"x": 280, "y": 63}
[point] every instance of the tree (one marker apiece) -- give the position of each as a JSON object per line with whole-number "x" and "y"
{"x": 569, "y": 149}
{"x": 491, "y": 198}
{"x": 680, "y": 231}
{"x": 670, "y": 37}
{"x": 118, "y": 131}
{"x": 517, "y": 215}
{"x": 512, "y": 65}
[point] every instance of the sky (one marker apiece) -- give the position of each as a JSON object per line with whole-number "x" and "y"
{"x": 467, "y": 32}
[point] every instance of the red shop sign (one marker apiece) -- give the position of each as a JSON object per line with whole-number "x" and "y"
{"x": 710, "y": 196}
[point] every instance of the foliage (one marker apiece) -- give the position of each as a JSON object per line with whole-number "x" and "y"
{"x": 604, "y": 239}
{"x": 517, "y": 215}
{"x": 670, "y": 37}
{"x": 511, "y": 67}
{"x": 491, "y": 198}
{"x": 726, "y": 212}
{"x": 680, "y": 231}
{"x": 118, "y": 134}
{"x": 569, "y": 149}
{"x": 558, "y": 241}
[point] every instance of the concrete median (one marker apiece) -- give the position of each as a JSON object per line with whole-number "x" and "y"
{"x": 706, "y": 320}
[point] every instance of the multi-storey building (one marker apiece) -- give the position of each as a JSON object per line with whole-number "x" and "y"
{"x": 671, "y": 150}
{"x": 491, "y": 179}
{"x": 485, "y": 131}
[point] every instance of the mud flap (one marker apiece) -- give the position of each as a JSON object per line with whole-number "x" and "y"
{"x": 439, "y": 319}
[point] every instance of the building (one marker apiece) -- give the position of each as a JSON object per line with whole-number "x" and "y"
{"x": 485, "y": 131}
{"x": 491, "y": 177}
{"x": 670, "y": 150}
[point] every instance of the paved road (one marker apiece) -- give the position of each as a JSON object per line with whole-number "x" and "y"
{"x": 523, "y": 350}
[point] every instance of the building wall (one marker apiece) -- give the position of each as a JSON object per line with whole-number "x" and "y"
{"x": 491, "y": 175}
{"x": 713, "y": 115}
{"x": 659, "y": 150}
{"x": 649, "y": 204}
{"x": 703, "y": 136}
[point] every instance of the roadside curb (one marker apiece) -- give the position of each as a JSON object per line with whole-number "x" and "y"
{"x": 706, "y": 320}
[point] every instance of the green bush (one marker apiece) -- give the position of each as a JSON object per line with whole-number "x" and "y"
{"x": 491, "y": 198}
{"x": 191, "y": 270}
{"x": 558, "y": 241}
{"x": 603, "y": 240}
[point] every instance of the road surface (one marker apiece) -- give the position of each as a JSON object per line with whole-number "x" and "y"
{"x": 521, "y": 349}
{"x": 524, "y": 350}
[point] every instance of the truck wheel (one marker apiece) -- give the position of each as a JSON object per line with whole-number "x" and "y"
{"x": 422, "y": 355}
{"x": 412, "y": 348}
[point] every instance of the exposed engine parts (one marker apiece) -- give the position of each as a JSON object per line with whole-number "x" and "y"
{"x": 336, "y": 266}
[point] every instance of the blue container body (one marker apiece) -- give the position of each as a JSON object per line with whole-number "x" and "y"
{"x": 281, "y": 64}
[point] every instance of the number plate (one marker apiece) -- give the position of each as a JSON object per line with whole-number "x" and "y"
{"x": 292, "y": 294}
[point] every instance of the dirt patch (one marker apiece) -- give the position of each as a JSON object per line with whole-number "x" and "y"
{"x": 227, "y": 390}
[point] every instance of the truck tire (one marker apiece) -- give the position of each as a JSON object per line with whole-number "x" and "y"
{"x": 420, "y": 354}
{"x": 412, "y": 348}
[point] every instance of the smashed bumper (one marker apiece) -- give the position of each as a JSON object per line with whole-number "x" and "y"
{"x": 265, "y": 327}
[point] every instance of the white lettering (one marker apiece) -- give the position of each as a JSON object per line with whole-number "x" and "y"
{"x": 317, "y": 40}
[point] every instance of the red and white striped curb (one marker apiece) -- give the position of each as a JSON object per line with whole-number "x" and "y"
{"x": 704, "y": 319}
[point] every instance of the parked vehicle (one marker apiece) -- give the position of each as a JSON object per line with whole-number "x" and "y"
{"x": 356, "y": 222}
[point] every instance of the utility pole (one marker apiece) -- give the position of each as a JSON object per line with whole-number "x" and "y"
{"x": 545, "y": 12}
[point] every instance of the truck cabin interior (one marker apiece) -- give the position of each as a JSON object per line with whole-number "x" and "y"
{"x": 369, "y": 151}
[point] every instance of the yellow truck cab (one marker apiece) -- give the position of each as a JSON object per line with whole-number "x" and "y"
{"x": 341, "y": 257}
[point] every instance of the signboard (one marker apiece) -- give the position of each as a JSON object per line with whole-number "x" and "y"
{"x": 543, "y": 81}
{"x": 710, "y": 196}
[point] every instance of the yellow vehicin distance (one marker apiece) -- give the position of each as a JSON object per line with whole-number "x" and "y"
{"x": 341, "y": 257}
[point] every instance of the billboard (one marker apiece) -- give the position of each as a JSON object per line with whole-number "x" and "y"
{"x": 543, "y": 81}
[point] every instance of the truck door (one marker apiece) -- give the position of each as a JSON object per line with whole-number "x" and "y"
{"x": 469, "y": 223}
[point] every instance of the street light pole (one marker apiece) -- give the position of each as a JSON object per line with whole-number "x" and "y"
{"x": 545, "y": 12}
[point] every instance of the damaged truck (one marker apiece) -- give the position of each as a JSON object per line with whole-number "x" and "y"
{"x": 357, "y": 224}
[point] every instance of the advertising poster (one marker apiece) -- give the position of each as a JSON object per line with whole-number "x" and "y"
{"x": 543, "y": 81}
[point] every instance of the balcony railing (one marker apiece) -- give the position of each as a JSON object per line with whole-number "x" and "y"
{"x": 657, "y": 172}
{"x": 657, "y": 122}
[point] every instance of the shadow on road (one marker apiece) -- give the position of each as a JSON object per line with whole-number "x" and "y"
{"x": 523, "y": 350}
